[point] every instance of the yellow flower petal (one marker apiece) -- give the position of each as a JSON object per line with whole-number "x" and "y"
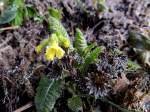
{"x": 60, "y": 52}
{"x": 50, "y": 53}
{"x": 54, "y": 50}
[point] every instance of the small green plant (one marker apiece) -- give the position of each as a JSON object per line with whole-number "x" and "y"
{"x": 23, "y": 11}
{"x": 55, "y": 45}
{"x": 91, "y": 57}
{"x": 53, "y": 48}
{"x": 59, "y": 37}
{"x": 49, "y": 88}
{"x": 89, "y": 53}
{"x": 16, "y": 11}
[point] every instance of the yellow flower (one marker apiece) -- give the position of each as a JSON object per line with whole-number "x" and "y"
{"x": 53, "y": 50}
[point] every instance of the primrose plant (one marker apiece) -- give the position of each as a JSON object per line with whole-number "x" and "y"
{"x": 58, "y": 39}
{"x": 49, "y": 90}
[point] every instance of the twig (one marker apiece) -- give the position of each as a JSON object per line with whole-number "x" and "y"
{"x": 25, "y": 107}
{"x": 9, "y": 28}
{"x": 94, "y": 27}
{"x": 115, "y": 105}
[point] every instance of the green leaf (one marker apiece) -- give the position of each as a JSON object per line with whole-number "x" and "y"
{"x": 55, "y": 13}
{"x": 132, "y": 65}
{"x": 38, "y": 18}
{"x": 56, "y": 26}
{"x": 19, "y": 3}
{"x": 8, "y": 15}
{"x": 48, "y": 92}
{"x": 80, "y": 43}
{"x": 101, "y": 6}
{"x": 75, "y": 103}
{"x": 30, "y": 11}
{"x": 19, "y": 18}
{"x": 88, "y": 49}
{"x": 91, "y": 57}
{"x": 20, "y": 12}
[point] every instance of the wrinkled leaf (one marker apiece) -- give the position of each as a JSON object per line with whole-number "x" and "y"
{"x": 91, "y": 57}
{"x": 19, "y": 18}
{"x": 80, "y": 43}
{"x": 55, "y": 13}
{"x": 75, "y": 103}
{"x": 20, "y": 12}
{"x": 30, "y": 11}
{"x": 18, "y": 3}
{"x": 56, "y": 26}
{"x": 8, "y": 15}
{"x": 48, "y": 92}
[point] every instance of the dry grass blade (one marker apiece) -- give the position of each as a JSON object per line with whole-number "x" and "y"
{"x": 25, "y": 107}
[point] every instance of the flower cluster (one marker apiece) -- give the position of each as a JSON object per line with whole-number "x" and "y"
{"x": 52, "y": 44}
